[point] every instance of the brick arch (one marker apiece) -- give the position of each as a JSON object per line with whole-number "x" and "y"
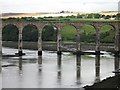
{"x": 53, "y": 25}
{"x": 54, "y": 34}
{"x": 14, "y": 28}
{"x": 113, "y": 26}
{"x": 31, "y": 24}
{"x": 5, "y": 25}
{"x": 90, "y": 24}
{"x": 70, "y": 24}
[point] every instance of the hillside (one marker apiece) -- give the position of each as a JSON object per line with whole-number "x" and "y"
{"x": 7, "y": 15}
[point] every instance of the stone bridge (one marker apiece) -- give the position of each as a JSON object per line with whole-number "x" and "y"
{"x": 58, "y": 26}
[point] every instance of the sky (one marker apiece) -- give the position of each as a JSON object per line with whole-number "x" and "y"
{"x": 32, "y": 6}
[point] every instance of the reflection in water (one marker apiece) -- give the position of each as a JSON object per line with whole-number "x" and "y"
{"x": 40, "y": 63}
{"x": 20, "y": 63}
{"x": 59, "y": 60}
{"x": 97, "y": 67}
{"x": 116, "y": 62}
{"x": 78, "y": 68}
{"x": 0, "y": 64}
{"x": 0, "y": 60}
{"x": 49, "y": 75}
{"x": 117, "y": 69}
{"x": 59, "y": 74}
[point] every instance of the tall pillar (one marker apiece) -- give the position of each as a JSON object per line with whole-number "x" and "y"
{"x": 78, "y": 40}
{"x": 59, "y": 51}
{"x": 97, "y": 68}
{"x": 0, "y": 45}
{"x": 59, "y": 42}
{"x": 40, "y": 63}
{"x": 40, "y": 42}
{"x": 20, "y": 46}
{"x": 78, "y": 52}
{"x": 117, "y": 40}
{"x": 97, "y": 58}
{"x": 20, "y": 63}
{"x": 78, "y": 56}
{"x": 59, "y": 60}
{"x": 116, "y": 64}
{"x": 97, "y": 48}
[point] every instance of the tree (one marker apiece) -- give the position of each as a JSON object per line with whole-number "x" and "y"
{"x": 90, "y": 15}
{"x": 79, "y": 16}
{"x": 49, "y": 34}
{"x": 97, "y": 15}
{"x": 118, "y": 16}
{"x": 108, "y": 17}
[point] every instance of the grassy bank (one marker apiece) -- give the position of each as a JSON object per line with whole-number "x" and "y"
{"x": 111, "y": 83}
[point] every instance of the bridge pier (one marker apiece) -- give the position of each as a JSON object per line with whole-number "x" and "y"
{"x": 97, "y": 68}
{"x": 116, "y": 63}
{"x": 78, "y": 52}
{"x": 78, "y": 56}
{"x": 59, "y": 51}
{"x": 78, "y": 67}
{"x": 40, "y": 63}
{"x": 40, "y": 42}
{"x": 117, "y": 41}
{"x": 20, "y": 46}
{"x": 97, "y": 57}
{"x": 0, "y": 45}
{"x": 20, "y": 63}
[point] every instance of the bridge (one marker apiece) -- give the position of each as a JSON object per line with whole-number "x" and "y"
{"x": 58, "y": 26}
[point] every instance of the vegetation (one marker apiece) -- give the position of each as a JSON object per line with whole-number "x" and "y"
{"x": 79, "y": 17}
{"x": 49, "y": 33}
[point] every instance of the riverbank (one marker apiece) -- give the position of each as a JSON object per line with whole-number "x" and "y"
{"x": 111, "y": 83}
{"x": 52, "y": 46}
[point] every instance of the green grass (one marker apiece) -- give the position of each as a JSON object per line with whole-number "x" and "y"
{"x": 76, "y": 19}
{"x": 69, "y": 33}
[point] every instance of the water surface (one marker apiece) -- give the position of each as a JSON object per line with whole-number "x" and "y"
{"x": 31, "y": 74}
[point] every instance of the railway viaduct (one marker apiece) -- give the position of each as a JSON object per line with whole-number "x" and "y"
{"x": 58, "y": 25}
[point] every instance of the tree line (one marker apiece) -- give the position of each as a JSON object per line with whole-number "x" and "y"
{"x": 66, "y": 18}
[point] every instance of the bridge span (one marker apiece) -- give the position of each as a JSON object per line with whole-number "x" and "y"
{"x": 58, "y": 26}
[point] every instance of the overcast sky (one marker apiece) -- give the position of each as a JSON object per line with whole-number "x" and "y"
{"x": 27, "y": 6}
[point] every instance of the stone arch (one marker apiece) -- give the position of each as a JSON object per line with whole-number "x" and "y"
{"x": 107, "y": 33}
{"x": 49, "y": 32}
{"x": 88, "y": 33}
{"x": 69, "y": 32}
{"x": 30, "y": 33}
{"x": 10, "y": 32}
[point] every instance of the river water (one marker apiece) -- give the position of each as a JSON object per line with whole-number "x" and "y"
{"x": 31, "y": 74}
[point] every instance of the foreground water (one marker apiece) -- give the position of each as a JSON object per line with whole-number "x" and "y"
{"x": 49, "y": 75}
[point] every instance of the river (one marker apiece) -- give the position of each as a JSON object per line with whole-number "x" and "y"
{"x": 31, "y": 74}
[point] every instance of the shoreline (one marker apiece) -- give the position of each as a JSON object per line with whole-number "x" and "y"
{"x": 52, "y": 46}
{"x": 111, "y": 83}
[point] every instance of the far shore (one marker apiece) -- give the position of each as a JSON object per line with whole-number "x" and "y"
{"x": 52, "y": 46}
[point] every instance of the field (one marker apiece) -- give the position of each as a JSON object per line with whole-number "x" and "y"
{"x": 53, "y": 14}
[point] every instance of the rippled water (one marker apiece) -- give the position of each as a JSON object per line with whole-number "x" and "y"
{"x": 49, "y": 74}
